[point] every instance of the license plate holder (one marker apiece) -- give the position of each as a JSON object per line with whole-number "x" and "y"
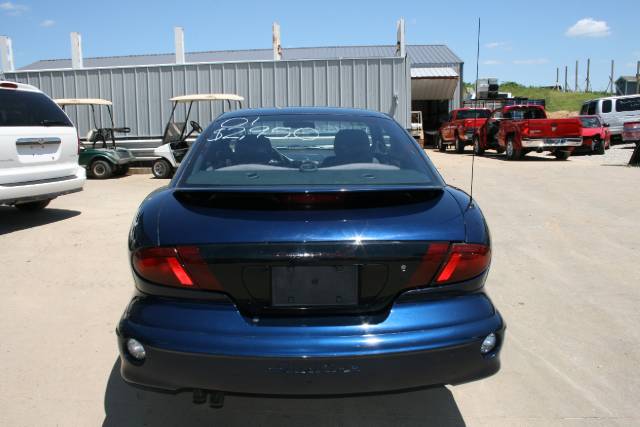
{"x": 304, "y": 286}
{"x": 556, "y": 141}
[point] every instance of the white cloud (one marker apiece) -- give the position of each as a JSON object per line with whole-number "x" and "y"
{"x": 494, "y": 45}
{"x": 532, "y": 61}
{"x": 48, "y": 23}
{"x": 491, "y": 62}
{"x": 589, "y": 27}
{"x": 13, "y": 9}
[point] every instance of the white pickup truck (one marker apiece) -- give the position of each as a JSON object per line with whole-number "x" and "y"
{"x": 38, "y": 149}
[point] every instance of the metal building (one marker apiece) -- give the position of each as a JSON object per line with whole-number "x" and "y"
{"x": 428, "y": 78}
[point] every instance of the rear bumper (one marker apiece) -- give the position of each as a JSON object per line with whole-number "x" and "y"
{"x": 551, "y": 143}
{"x": 30, "y": 191}
{"x": 211, "y": 346}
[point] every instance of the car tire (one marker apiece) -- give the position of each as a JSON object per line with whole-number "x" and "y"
{"x": 477, "y": 150}
{"x": 33, "y": 206}
{"x": 512, "y": 153}
{"x": 100, "y": 169}
{"x": 459, "y": 145}
{"x": 161, "y": 169}
{"x": 440, "y": 144}
{"x": 561, "y": 154}
{"x": 599, "y": 147}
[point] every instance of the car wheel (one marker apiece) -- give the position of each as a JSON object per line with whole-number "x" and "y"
{"x": 441, "y": 145}
{"x": 161, "y": 169}
{"x": 598, "y": 146}
{"x": 512, "y": 152}
{"x": 101, "y": 169}
{"x": 561, "y": 154}
{"x": 477, "y": 150}
{"x": 33, "y": 206}
{"x": 459, "y": 145}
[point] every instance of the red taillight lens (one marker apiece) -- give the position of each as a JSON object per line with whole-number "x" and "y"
{"x": 8, "y": 85}
{"x": 182, "y": 266}
{"x": 465, "y": 261}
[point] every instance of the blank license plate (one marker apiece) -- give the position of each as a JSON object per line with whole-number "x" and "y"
{"x": 556, "y": 141}
{"x": 314, "y": 286}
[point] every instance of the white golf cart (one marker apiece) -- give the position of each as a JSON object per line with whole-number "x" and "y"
{"x": 176, "y": 140}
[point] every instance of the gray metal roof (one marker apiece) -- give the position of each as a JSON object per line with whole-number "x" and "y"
{"x": 419, "y": 55}
{"x": 630, "y": 79}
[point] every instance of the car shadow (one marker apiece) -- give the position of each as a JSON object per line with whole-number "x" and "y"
{"x": 502, "y": 157}
{"x": 12, "y": 219}
{"x": 126, "y": 405}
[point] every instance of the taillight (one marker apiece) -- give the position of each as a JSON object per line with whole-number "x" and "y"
{"x": 180, "y": 267}
{"x": 8, "y": 85}
{"x": 465, "y": 261}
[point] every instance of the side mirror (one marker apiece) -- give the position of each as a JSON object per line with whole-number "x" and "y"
{"x": 605, "y": 125}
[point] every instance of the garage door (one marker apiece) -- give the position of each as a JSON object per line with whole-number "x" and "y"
{"x": 433, "y": 83}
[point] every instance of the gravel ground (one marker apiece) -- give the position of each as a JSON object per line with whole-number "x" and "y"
{"x": 564, "y": 275}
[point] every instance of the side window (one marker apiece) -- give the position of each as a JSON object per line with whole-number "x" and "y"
{"x": 592, "y": 108}
{"x": 606, "y": 106}
{"x": 628, "y": 104}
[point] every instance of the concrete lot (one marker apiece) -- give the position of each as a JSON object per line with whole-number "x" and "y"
{"x": 565, "y": 276}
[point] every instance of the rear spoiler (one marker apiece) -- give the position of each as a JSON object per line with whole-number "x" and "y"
{"x": 296, "y": 199}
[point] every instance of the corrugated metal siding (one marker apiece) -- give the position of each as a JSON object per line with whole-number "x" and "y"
{"x": 419, "y": 55}
{"x": 141, "y": 94}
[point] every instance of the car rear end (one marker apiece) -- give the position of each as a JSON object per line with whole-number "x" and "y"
{"x": 38, "y": 147}
{"x": 631, "y": 132}
{"x": 307, "y": 289}
{"x": 551, "y": 134}
{"x": 470, "y": 121}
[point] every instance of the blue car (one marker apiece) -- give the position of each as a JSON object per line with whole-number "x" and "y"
{"x": 308, "y": 251}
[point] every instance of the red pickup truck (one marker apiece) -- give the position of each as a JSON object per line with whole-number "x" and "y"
{"x": 519, "y": 129}
{"x": 459, "y": 128}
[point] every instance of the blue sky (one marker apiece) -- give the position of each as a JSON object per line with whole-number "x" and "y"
{"x": 521, "y": 41}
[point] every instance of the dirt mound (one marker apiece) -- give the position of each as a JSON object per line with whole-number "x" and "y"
{"x": 561, "y": 114}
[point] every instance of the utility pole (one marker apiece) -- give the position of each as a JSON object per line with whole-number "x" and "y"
{"x": 576, "y": 81}
{"x": 557, "y": 78}
{"x": 588, "y": 83}
{"x": 611, "y": 82}
{"x": 566, "y": 76}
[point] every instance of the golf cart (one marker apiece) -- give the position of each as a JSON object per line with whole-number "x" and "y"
{"x": 176, "y": 139}
{"x": 106, "y": 159}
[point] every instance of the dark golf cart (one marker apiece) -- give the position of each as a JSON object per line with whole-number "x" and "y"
{"x": 98, "y": 151}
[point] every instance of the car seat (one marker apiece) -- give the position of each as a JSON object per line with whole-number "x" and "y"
{"x": 350, "y": 146}
{"x": 253, "y": 150}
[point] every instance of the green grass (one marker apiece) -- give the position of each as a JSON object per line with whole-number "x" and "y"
{"x": 556, "y": 100}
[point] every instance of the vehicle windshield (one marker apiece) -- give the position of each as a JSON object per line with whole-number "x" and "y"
{"x": 25, "y": 108}
{"x": 590, "y": 122}
{"x": 473, "y": 114}
{"x": 306, "y": 150}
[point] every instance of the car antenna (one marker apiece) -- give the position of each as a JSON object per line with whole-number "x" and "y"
{"x": 475, "y": 115}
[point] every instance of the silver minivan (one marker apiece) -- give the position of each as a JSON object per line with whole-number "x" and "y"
{"x": 615, "y": 111}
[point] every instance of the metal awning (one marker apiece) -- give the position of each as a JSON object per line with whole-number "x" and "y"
{"x": 433, "y": 83}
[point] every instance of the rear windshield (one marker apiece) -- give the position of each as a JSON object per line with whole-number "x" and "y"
{"x": 524, "y": 113}
{"x": 590, "y": 122}
{"x": 22, "y": 108}
{"x": 472, "y": 114}
{"x": 306, "y": 150}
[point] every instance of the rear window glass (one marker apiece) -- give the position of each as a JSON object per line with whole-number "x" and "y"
{"x": 524, "y": 113}
{"x": 22, "y": 108}
{"x": 628, "y": 104}
{"x": 472, "y": 114}
{"x": 306, "y": 150}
